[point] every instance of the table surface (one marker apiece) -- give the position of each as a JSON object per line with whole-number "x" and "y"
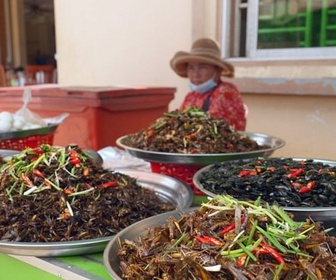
{"x": 70, "y": 267}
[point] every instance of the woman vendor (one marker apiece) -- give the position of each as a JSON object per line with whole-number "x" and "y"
{"x": 204, "y": 67}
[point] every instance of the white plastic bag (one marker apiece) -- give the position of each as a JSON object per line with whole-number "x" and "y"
{"x": 56, "y": 120}
{"x": 26, "y": 115}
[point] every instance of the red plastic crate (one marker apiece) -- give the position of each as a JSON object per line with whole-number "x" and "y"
{"x": 181, "y": 172}
{"x": 31, "y": 138}
{"x": 98, "y": 115}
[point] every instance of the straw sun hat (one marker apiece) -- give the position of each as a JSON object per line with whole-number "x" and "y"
{"x": 203, "y": 51}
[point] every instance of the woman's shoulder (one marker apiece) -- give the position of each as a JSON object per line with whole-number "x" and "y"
{"x": 225, "y": 86}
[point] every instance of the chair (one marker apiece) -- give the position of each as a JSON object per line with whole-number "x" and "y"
{"x": 3, "y": 82}
{"x": 31, "y": 71}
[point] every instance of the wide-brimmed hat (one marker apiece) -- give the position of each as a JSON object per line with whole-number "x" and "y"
{"x": 203, "y": 51}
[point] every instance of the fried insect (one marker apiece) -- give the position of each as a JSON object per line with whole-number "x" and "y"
{"x": 191, "y": 131}
{"x": 286, "y": 181}
{"x": 270, "y": 246}
{"x": 52, "y": 194}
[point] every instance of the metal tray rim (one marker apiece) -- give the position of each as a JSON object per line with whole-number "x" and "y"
{"x": 202, "y": 159}
{"x": 68, "y": 248}
{"x": 28, "y": 132}
{"x": 199, "y": 186}
{"x": 51, "y": 245}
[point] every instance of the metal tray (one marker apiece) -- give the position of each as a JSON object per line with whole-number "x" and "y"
{"x": 166, "y": 187}
{"x": 205, "y": 159}
{"x": 8, "y": 153}
{"x": 327, "y": 215}
{"x": 198, "y": 174}
{"x": 133, "y": 232}
{"x": 54, "y": 249}
{"x": 28, "y": 132}
{"x": 110, "y": 256}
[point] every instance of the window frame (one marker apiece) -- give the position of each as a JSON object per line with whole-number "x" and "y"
{"x": 231, "y": 29}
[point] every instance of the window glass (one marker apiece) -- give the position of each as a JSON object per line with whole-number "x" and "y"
{"x": 296, "y": 24}
{"x": 277, "y": 29}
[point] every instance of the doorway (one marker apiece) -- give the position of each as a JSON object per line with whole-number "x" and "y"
{"x": 27, "y": 33}
{"x": 40, "y": 32}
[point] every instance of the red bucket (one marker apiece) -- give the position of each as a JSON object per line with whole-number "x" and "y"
{"x": 181, "y": 172}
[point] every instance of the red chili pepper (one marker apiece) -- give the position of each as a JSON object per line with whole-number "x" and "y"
{"x": 208, "y": 240}
{"x": 304, "y": 190}
{"x": 191, "y": 135}
{"x": 38, "y": 173}
{"x": 272, "y": 169}
{"x": 311, "y": 184}
{"x": 273, "y": 252}
{"x": 308, "y": 187}
{"x": 68, "y": 191}
{"x": 108, "y": 184}
{"x": 259, "y": 169}
{"x": 200, "y": 239}
{"x": 26, "y": 180}
{"x": 74, "y": 158}
{"x": 230, "y": 227}
{"x": 150, "y": 132}
{"x": 244, "y": 173}
{"x": 241, "y": 260}
{"x": 294, "y": 172}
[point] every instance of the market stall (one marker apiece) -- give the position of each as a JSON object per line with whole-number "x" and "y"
{"x": 73, "y": 216}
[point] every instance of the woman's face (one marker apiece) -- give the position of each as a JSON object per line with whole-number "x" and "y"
{"x": 199, "y": 73}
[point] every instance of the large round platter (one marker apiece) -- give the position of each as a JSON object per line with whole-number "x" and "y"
{"x": 166, "y": 187}
{"x": 324, "y": 214}
{"x": 205, "y": 159}
{"x": 110, "y": 257}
